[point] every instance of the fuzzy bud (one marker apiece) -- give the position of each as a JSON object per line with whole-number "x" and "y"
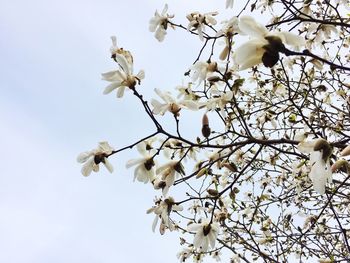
{"x": 201, "y": 172}
{"x": 205, "y": 126}
{"x": 345, "y": 151}
{"x": 341, "y": 165}
{"x": 213, "y": 192}
{"x": 325, "y": 147}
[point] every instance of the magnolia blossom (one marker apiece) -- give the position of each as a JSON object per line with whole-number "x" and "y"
{"x": 166, "y": 175}
{"x": 199, "y": 21}
{"x": 264, "y": 45}
{"x": 206, "y": 234}
{"x": 159, "y": 23}
{"x": 144, "y": 171}
{"x": 219, "y": 100}
{"x": 320, "y": 173}
{"x": 116, "y": 50}
{"x": 229, "y": 28}
{"x": 202, "y": 70}
{"x": 185, "y": 254}
{"x": 186, "y": 92}
{"x": 120, "y": 79}
{"x": 162, "y": 210}
{"x": 93, "y": 158}
{"x": 170, "y": 104}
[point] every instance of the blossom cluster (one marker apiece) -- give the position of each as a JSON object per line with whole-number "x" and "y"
{"x": 269, "y": 165}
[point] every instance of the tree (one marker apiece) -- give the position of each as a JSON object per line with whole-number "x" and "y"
{"x": 267, "y": 177}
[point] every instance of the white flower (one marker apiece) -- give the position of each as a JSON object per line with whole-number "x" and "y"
{"x": 229, "y": 3}
{"x": 166, "y": 175}
{"x": 144, "y": 171}
{"x": 162, "y": 210}
{"x": 199, "y": 21}
{"x": 320, "y": 173}
{"x": 219, "y": 100}
{"x": 93, "y": 158}
{"x": 216, "y": 255}
{"x": 264, "y": 45}
{"x": 229, "y": 29}
{"x": 159, "y": 23}
{"x": 120, "y": 79}
{"x": 184, "y": 254}
{"x": 170, "y": 104}
{"x": 206, "y": 234}
{"x": 202, "y": 70}
{"x": 116, "y": 50}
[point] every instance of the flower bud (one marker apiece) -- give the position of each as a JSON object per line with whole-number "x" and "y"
{"x": 231, "y": 166}
{"x": 342, "y": 165}
{"x": 213, "y": 192}
{"x": 201, "y": 172}
{"x": 325, "y": 147}
{"x": 345, "y": 151}
{"x": 205, "y": 126}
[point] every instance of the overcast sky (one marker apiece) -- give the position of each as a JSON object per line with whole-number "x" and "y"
{"x": 52, "y": 108}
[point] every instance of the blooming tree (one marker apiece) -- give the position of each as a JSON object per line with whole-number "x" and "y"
{"x": 271, "y": 184}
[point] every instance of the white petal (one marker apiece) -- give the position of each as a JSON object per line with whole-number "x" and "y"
{"x": 194, "y": 227}
{"x": 82, "y": 158}
{"x": 291, "y": 39}
{"x": 105, "y": 147}
{"x": 212, "y": 238}
{"x": 165, "y": 9}
{"x": 306, "y": 146}
{"x": 155, "y": 222}
{"x": 108, "y": 75}
{"x": 87, "y": 167}
{"x": 133, "y": 162}
{"x": 249, "y": 53}
{"x": 153, "y": 23}
{"x": 198, "y": 239}
{"x": 124, "y": 64}
{"x": 141, "y": 74}
{"x": 120, "y": 91}
{"x": 111, "y": 87}
{"x": 249, "y": 26}
{"x": 229, "y": 3}
{"x": 160, "y": 33}
{"x": 108, "y": 165}
{"x": 205, "y": 244}
{"x": 189, "y": 104}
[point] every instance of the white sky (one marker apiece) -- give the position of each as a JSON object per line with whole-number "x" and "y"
{"x": 52, "y": 108}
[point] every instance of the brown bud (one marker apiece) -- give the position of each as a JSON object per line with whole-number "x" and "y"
{"x": 231, "y": 166}
{"x": 341, "y": 165}
{"x": 224, "y": 53}
{"x": 325, "y": 147}
{"x": 205, "y": 126}
{"x": 213, "y": 192}
{"x": 201, "y": 172}
{"x": 345, "y": 151}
